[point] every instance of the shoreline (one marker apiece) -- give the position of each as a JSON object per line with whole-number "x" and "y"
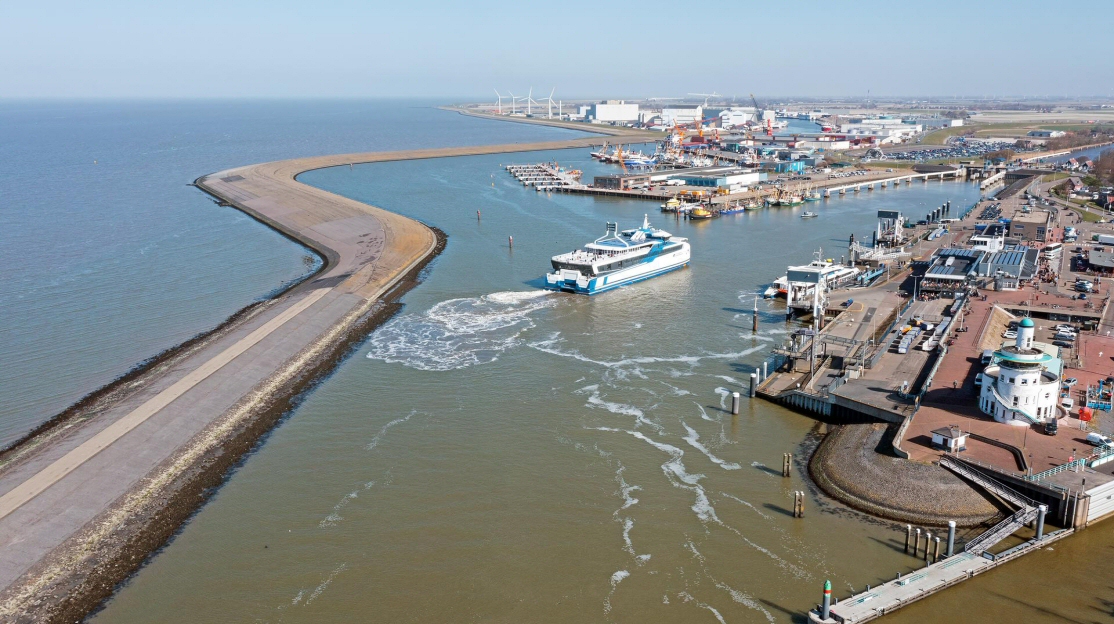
{"x": 357, "y": 288}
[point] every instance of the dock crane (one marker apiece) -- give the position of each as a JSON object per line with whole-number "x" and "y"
{"x": 769, "y": 122}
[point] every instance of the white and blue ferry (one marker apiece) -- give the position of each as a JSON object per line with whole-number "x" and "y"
{"x": 618, "y": 258}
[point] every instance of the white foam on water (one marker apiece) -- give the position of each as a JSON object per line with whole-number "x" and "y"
{"x": 551, "y": 347}
{"x": 674, "y": 390}
{"x": 623, "y": 409}
{"x": 325, "y": 583}
{"x": 729, "y": 379}
{"x": 723, "y": 394}
{"x": 693, "y": 438}
{"x": 743, "y": 599}
{"x": 739, "y": 500}
{"x": 675, "y": 472}
{"x": 383, "y": 430}
{"x": 628, "y": 546}
{"x": 704, "y": 413}
{"x": 332, "y": 519}
{"x": 737, "y": 595}
{"x": 625, "y": 490}
{"x": 298, "y": 598}
{"x": 687, "y": 597}
{"x": 616, "y": 578}
{"x": 458, "y": 333}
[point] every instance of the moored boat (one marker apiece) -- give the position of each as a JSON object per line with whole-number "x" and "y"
{"x": 700, "y": 212}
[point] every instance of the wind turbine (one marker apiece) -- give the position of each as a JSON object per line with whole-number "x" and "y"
{"x": 550, "y": 99}
{"x": 513, "y": 98}
{"x": 499, "y": 104}
{"x": 529, "y": 102}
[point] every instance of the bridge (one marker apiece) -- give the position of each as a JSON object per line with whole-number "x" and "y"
{"x": 855, "y": 187}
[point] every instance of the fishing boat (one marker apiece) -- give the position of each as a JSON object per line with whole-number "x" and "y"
{"x": 618, "y": 258}
{"x": 672, "y": 205}
{"x": 812, "y": 196}
{"x": 752, "y": 204}
{"x": 808, "y": 214}
{"x": 732, "y": 208}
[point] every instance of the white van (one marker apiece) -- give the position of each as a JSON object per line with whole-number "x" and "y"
{"x": 1099, "y": 440}
{"x": 1067, "y": 403}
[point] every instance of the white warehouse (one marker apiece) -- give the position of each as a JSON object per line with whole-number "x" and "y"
{"x": 612, "y": 111}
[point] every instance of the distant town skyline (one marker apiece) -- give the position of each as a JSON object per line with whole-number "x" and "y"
{"x": 118, "y": 48}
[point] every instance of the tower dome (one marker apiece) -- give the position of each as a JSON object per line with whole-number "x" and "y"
{"x": 1025, "y": 331}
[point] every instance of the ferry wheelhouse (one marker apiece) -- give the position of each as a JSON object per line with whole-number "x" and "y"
{"x": 618, "y": 258}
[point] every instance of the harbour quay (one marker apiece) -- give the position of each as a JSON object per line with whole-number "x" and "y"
{"x": 985, "y": 358}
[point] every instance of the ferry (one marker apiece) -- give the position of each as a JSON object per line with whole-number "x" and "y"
{"x": 833, "y": 274}
{"x": 618, "y": 258}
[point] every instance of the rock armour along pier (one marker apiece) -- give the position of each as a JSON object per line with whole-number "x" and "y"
{"x": 88, "y": 496}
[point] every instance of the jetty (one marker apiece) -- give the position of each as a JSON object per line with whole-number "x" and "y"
{"x": 84, "y": 499}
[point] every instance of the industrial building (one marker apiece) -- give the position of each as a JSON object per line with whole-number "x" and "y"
{"x": 613, "y": 111}
{"x": 622, "y": 182}
{"x": 725, "y": 179}
{"x": 680, "y": 115}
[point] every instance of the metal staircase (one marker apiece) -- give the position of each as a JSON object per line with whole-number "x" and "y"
{"x": 1001, "y": 531}
{"x": 1026, "y": 514}
{"x": 987, "y": 483}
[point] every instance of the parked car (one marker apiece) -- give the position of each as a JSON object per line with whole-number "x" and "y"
{"x": 1098, "y": 439}
{"x": 1063, "y": 343}
{"x": 1051, "y": 427}
{"x": 1067, "y": 403}
{"x": 1069, "y": 382}
{"x": 1009, "y": 334}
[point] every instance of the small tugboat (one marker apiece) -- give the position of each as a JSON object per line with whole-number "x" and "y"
{"x": 700, "y": 212}
{"x": 618, "y": 258}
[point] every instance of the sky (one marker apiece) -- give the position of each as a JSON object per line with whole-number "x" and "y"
{"x": 329, "y": 49}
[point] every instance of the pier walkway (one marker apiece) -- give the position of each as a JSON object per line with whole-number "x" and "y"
{"x": 891, "y": 596}
{"x": 84, "y": 501}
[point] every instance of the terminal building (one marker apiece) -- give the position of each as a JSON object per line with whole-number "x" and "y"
{"x": 1022, "y": 384}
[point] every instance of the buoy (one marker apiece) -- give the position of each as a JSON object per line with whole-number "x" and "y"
{"x": 510, "y": 241}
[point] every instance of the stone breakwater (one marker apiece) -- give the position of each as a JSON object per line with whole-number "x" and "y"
{"x": 847, "y": 467}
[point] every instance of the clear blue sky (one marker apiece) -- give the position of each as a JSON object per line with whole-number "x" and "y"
{"x": 251, "y": 48}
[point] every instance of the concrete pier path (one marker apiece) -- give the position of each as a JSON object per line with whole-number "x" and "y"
{"x": 73, "y": 497}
